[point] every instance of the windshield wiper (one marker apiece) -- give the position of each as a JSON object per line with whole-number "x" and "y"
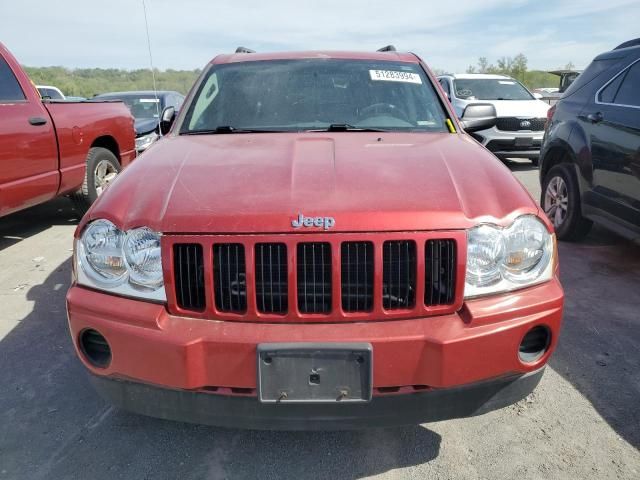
{"x": 226, "y": 129}
{"x": 345, "y": 127}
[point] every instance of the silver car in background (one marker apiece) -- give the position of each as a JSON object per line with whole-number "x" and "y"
{"x": 521, "y": 114}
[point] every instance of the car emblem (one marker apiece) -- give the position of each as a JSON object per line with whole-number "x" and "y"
{"x": 525, "y": 123}
{"x": 323, "y": 222}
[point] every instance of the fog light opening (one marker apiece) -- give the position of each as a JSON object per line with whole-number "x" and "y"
{"x": 535, "y": 344}
{"x": 95, "y": 348}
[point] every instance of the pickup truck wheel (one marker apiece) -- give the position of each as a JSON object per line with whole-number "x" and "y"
{"x": 102, "y": 169}
{"x": 561, "y": 202}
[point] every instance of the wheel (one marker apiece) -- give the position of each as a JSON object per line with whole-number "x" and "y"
{"x": 561, "y": 202}
{"x": 102, "y": 169}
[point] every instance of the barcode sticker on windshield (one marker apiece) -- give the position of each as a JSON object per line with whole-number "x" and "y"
{"x": 395, "y": 76}
{"x": 149, "y": 100}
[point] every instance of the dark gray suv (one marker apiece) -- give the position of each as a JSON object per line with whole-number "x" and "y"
{"x": 590, "y": 156}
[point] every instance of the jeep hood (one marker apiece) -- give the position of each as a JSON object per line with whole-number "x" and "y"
{"x": 259, "y": 183}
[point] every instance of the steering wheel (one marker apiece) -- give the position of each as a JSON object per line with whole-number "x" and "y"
{"x": 378, "y": 108}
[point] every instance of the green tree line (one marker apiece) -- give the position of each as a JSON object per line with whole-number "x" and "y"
{"x": 87, "y": 82}
{"x": 516, "y": 67}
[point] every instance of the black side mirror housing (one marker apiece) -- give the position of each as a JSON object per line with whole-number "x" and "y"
{"x": 478, "y": 116}
{"x": 166, "y": 119}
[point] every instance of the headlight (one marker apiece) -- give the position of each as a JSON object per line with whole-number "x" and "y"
{"x": 142, "y": 257}
{"x": 504, "y": 259}
{"x": 125, "y": 263}
{"x": 143, "y": 142}
{"x": 101, "y": 253}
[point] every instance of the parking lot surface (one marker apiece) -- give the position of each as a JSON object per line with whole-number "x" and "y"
{"x": 583, "y": 421}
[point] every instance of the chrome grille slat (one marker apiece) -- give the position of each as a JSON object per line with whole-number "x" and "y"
{"x": 229, "y": 277}
{"x": 271, "y": 296}
{"x": 357, "y": 276}
{"x": 314, "y": 277}
{"x": 399, "y": 262}
{"x": 188, "y": 265}
{"x": 440, "y": 263}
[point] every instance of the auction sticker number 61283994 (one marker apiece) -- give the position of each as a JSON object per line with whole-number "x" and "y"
{"x": 395, "y": 76}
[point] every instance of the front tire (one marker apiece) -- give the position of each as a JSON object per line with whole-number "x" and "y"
{"x": 102, "y": 169}
{"x": 560, "y": 200}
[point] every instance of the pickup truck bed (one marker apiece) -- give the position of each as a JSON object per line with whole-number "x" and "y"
{"x": 52, "y": 148}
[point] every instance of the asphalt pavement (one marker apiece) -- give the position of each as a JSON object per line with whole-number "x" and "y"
{"x": 582, "y": 422}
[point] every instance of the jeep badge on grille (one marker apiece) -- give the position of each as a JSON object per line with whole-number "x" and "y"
{"x": 302, "y": 221}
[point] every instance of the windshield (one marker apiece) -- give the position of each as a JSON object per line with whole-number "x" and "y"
{"x": 490, "y": 89}
{"x": 50, "y": 93}
{"x": 141, "y": 106}
{"x": 299, "y": 95}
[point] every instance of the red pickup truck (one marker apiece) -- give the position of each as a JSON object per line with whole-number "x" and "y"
{"x": 325, "y": 247}
{"x": 50, "y": 148}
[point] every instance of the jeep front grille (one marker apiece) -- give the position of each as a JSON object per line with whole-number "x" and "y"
{"x": 315, "y": 277}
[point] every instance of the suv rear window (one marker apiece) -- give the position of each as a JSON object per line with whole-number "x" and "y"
{"x": 309, "y": 94}
{"x": 594, "y": 69}
{"x": 10, "y": 90}
{"x": 629, "y": 91}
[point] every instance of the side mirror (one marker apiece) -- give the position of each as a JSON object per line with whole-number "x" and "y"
{"x": 166, "y": 119}
{"x": 478, "y": 116}
{"x": 537, "y": 95}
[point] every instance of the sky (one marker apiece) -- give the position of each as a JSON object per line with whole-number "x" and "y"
{"x": 448, "y": 35}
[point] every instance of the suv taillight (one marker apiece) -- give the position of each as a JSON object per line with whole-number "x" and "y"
{"x": 550, "y": 113}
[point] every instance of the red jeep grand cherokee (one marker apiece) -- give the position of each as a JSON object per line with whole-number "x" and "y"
{"x": 316, "y": 244}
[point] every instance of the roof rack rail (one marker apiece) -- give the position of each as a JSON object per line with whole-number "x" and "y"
{"x": 631, "y": 43}
{"x": 388, "y": 48}
{"x": 244, "y": 50}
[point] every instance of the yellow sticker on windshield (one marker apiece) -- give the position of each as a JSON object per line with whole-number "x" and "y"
{"x": 395, "y": 76}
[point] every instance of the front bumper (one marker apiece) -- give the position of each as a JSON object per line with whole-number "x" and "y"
{"x": 505, "y": 144}
{"x": 421, "y": 361}
{"x": 247, "y": 412}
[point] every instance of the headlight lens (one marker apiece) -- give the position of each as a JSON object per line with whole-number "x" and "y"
{"x": 101, "y": 253}
{"x": 142, "y": 256}
{"x": 528, "y": 250}
{"x": 485, "y": 251}
{"x": 145, "y": 141}
{"x": 504, "y": 259}
{"x": 126, "y": 263}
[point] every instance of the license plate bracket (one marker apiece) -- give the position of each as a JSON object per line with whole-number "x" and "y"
{"x": 315, "y": 372}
